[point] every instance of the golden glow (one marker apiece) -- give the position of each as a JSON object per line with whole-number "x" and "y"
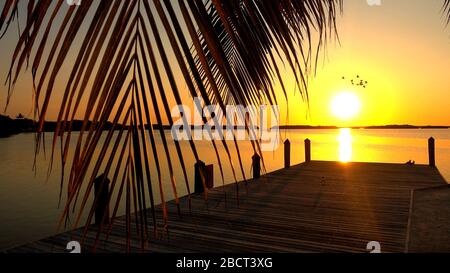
{"x": 345, "y": 145}
{"x": 345, "y": 105}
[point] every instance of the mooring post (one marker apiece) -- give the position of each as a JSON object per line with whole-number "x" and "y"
{"x": 209, "y": 171}
{"x": 101, "y": 190}
{"x": 307, "y": 150}
{"x": 287, "y": 154}
{"x": 431, "y": 152}
{"x": 256, "y": 166}
{"x": 200, "y": 168}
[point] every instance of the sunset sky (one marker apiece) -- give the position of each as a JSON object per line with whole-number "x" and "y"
{"x": 402, "y": 48}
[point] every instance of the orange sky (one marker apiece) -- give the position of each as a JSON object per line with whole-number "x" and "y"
{"x": 401, "y": 47}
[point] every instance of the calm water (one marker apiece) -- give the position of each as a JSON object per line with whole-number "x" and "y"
{"x": 29, "y": 201}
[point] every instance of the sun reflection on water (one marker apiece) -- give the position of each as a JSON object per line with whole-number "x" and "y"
{"x": 345, "y": 145}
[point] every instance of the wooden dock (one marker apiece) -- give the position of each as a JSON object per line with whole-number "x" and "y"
{"x": 312, "y": 207}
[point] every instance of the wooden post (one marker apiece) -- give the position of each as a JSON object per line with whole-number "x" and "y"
{"x": 431, "y": 152}
{"x": 209, "y": 171}
{"x": 287, "y": 154}
{"x": 256, "y": 166}
{"x": 307, "y": 150}
{"x": 101, "y": 190}
{"x": 199, "y": 169}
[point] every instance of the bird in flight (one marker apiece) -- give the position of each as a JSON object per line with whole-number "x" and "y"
{"x": 359, "y": 82}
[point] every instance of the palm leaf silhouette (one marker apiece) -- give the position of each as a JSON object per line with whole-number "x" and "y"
{"x": 124, "y": 72}
{"x": 447, "y": 10}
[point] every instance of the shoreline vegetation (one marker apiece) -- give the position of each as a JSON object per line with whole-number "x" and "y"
{"x": 10, "y": 126}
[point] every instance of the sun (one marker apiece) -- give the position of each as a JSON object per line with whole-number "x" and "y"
{"x": 345, "y": 105}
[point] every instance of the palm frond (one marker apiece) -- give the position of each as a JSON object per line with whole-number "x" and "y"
{"x": 447, "y": 10}
{"x": 124, "y": 72}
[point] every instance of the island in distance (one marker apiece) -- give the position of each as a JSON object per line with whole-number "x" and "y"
{"x": 10, "y": 126}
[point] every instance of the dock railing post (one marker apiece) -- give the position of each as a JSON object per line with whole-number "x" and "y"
{"x": 431, "y": 152}
{"x": 200, "y": 169}
{"x": 287, "y": 154}
{"x": 209, "y": 170}
{"x": 101, "y": 191}
{"x": 256, "y": 159}
{"x": 307, "y": 150}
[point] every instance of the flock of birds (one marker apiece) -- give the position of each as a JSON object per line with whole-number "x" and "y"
{"x": 359, "y": 82}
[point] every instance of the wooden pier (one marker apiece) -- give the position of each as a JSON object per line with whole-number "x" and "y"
{"x": 312, "y": 207}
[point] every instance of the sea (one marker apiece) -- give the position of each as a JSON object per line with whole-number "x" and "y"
{"x": 29, "y": 195}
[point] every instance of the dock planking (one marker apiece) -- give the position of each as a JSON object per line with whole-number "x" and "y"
{"x": 312, "y": 207}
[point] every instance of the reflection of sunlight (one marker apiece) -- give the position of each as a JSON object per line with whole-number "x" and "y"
{"x": 345, "y": 145}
